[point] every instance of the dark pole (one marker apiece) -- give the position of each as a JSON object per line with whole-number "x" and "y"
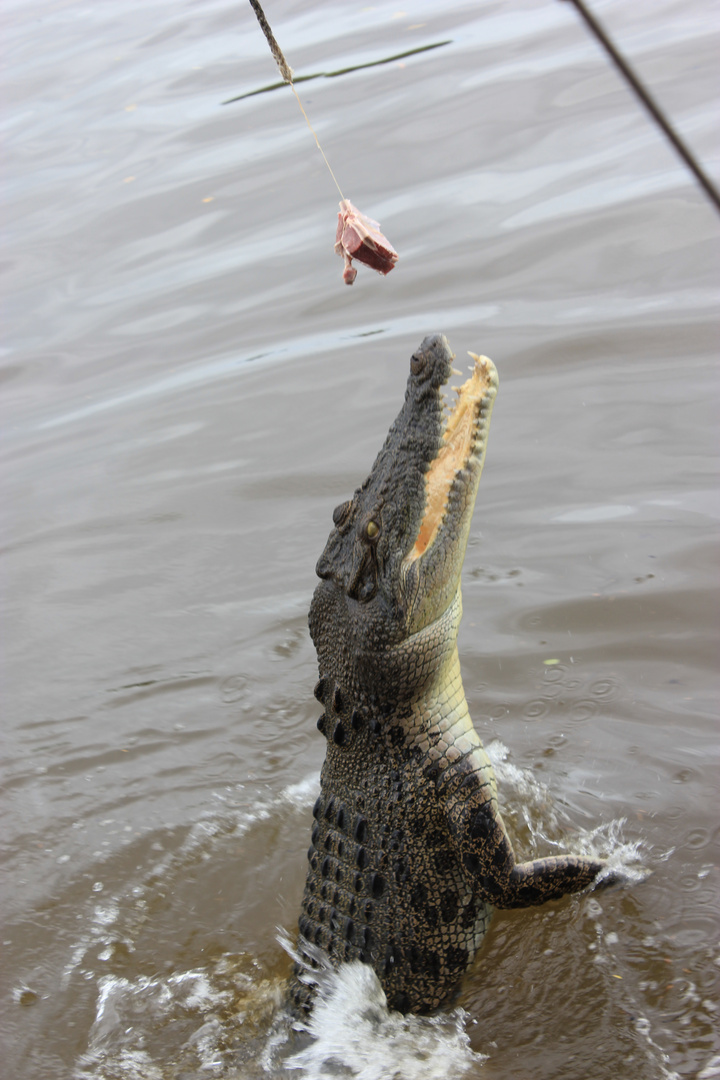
{"x": 652, "y": 107}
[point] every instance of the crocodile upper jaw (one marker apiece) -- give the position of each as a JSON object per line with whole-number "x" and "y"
{"x": 393, "y": 560}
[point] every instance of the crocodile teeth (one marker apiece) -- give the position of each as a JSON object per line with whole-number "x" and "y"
{"x": 460, "y": 440}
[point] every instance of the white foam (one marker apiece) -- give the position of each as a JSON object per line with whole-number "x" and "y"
{"x": 353, "y": 1032}
{"x": 211, "y": 829}
{"x": 304, "y": 793}
{"x": 623, "y": 858}
{"x": 116, "y": 1045}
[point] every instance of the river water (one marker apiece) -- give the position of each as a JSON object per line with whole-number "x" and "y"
{"x": 189, "y": 389}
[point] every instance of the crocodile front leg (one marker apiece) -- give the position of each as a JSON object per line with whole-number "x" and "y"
{"x": 467, "y": 789}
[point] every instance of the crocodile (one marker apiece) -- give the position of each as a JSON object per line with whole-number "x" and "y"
{"x": 409, "y": 854}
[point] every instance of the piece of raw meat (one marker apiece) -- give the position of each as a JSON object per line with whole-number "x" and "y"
{"x": 359, "y": 237}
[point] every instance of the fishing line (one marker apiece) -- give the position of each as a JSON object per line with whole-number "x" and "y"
{"x": 287, "y": 74}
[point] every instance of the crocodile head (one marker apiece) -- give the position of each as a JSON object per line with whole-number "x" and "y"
{"x": 390, "y": 571}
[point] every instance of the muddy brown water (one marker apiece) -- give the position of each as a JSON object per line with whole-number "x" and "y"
{"x": 188, "y": 391}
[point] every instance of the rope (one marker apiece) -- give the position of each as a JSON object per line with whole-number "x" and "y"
{"x": 287, "y": 74}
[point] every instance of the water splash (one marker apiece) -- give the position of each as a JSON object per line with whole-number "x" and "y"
{"x": 165, "y": 1028}
{"x": 225, "y": 1016}
{"x": 354, "y": 1033}
{"x": 118, "y": 919}
{"x": 624, "y": 858}
{"x": 532, "y": 800}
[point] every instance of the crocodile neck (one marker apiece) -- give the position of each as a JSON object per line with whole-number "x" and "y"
{"x": 436, "y": 722}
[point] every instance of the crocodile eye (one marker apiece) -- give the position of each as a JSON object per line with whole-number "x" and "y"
{"x": 372, "y": 530}
{"x": 417, "y": 363}
{"x": 340, "y": 513}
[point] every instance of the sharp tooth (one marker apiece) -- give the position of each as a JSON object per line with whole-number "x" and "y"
{"x": 455, "y": 371}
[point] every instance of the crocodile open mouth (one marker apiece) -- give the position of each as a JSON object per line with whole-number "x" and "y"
{"x": 464, "y": 439}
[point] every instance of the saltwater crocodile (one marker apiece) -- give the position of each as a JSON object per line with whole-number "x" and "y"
{"x": 409, "y": 853}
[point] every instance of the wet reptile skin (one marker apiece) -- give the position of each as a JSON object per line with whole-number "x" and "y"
{"x": 408, "y": 852}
